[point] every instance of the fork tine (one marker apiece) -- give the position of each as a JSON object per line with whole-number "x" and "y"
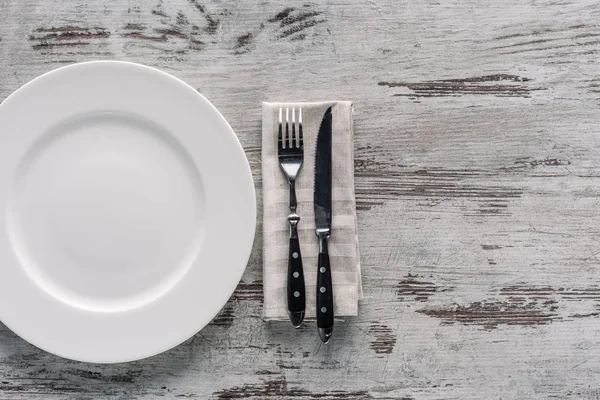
{"x": 300, "y": 137}
{"x": 280, "y": 132}
{"x": 293, "y": 138}
{"x": 287, "y": 127}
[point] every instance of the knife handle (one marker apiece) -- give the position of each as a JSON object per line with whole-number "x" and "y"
{"x": 324, "y": 295}
{"x": 296, "y": 296}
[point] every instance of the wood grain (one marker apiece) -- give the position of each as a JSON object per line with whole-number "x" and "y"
{"x": 477, "y": 180}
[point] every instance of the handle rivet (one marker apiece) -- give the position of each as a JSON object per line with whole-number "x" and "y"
{"x": 323, "y": 269}
{"x": 296, "y": 274}
{"x": 323, "y": 310}
{"x": 295, "y": 255}
{"x": 296, "y": 294}
{"x": 323, "y": 290}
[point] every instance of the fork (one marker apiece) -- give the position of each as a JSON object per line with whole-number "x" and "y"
{"x": 290, "y": 151}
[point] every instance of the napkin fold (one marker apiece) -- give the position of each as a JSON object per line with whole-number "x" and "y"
{"x": 343, "y": 244}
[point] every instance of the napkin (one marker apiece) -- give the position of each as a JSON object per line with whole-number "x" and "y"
{"x": 343, "y": 244}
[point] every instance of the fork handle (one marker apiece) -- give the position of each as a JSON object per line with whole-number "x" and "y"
{"x": 296, "y": 297}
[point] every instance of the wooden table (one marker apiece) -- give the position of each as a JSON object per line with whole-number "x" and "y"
{"x": 477, "y": 182}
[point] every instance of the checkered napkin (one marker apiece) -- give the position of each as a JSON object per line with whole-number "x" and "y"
{"x": 343, "y": 244}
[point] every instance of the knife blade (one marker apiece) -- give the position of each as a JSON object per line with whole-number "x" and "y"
{"x": 322, "y": 208}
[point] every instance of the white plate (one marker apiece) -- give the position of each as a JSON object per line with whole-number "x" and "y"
{"x": 127, "y": 211}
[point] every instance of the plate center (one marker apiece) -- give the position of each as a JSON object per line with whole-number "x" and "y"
{"x": 106, "y": 211}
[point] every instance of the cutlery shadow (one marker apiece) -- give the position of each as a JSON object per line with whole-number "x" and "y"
{"x": 306, "y": 337}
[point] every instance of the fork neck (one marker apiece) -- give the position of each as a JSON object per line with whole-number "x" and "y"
{"x": 293, "y": 200}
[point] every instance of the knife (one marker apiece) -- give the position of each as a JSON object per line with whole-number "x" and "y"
{"x": 322, "y": 205}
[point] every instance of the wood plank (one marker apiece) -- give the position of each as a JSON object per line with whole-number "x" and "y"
{"x": 477, "y": 179}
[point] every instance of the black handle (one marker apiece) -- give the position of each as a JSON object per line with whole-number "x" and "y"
{"x": 324, "y": 298}
{"x": 296, "y": 297}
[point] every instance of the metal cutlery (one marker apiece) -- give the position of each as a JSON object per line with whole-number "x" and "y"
{"x": 322, "y": 207}
{"x": 290, "y": 152}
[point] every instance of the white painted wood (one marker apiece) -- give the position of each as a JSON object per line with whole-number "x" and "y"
{"x": 477, "y": 180}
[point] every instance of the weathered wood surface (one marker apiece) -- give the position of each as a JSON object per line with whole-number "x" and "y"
{"x": 477, "y": 180}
